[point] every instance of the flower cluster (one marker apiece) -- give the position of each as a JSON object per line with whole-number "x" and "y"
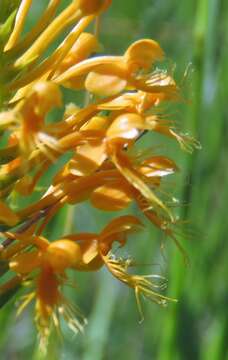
{"x": 126, "y": 94}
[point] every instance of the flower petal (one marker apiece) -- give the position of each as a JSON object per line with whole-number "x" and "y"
{"x": 157, "y": 166}
{"x": 25, "y": 263}
{"x": 126, "y": 126}
{"x": 110, "y": 197}
{"x": 104, "y": 85}
{"x": 142, "y": 54}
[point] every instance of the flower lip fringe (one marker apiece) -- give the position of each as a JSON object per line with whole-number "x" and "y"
{"x": 104, "y": 168}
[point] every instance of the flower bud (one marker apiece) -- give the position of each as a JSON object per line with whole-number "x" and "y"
{"x": 93, "y": 6}
{"x": 63, "y": 254}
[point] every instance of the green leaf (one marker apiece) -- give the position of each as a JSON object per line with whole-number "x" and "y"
{"x": 7, "y": 8}
{"x": 5, "y": 29}
{"x": 4, "y": 267}
{"x": 8, "y": 294}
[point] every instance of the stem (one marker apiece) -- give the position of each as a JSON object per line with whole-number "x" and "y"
{"x": 169, "y": 349}
{"x": 97, "y": 334}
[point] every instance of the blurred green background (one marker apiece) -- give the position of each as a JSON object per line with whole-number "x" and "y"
{"x": 194, "y": 35}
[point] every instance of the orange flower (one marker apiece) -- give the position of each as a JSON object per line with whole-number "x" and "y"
{"x": 109, "y": 75}
{"x": 80, "y": 252}
{"x": 51, "y": 259}
{"x": 33, "y": 133}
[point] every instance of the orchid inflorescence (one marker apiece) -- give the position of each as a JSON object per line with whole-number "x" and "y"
{"x": 125, "y": 97}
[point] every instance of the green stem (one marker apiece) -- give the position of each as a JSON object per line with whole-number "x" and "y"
{"x": 97, "y": 333}
{"x": 169, "y": 348}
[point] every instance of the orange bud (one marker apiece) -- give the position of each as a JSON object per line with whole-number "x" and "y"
{"x": 62, "y": 254}
{"x": 93, "y": 6}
